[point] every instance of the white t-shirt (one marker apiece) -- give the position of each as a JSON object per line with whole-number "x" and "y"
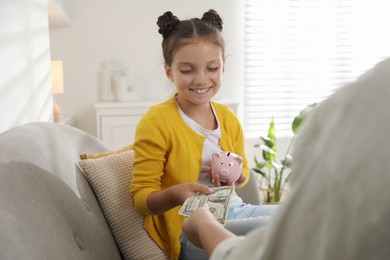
{"x": 210, "y": 146}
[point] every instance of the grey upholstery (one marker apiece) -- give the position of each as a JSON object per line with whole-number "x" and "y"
{"x": 47, "y": 208}
{"x": 250, "y": 194}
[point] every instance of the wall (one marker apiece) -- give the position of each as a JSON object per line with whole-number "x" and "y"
{"x": 126, "y": 30}
{"x": 24, "y": 63}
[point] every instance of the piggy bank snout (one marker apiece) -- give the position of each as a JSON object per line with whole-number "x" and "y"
{"x": 224, "y": 172}
{"x": 227, "y": 166}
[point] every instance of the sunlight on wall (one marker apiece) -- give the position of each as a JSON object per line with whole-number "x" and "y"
{"x": 369, "y": 28}
{"x": 24, "y": 63}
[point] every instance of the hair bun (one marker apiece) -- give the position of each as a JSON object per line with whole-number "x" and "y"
{"x": 213, "y": 18}
{"x": 166, "y": 23}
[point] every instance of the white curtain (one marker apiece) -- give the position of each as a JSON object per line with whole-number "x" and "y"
{"x": 300, "y": 51}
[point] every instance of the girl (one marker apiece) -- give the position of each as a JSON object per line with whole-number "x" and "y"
{"x": 175, "y": 139}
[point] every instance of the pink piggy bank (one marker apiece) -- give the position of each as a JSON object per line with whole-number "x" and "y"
{"x": 227, "y": 166}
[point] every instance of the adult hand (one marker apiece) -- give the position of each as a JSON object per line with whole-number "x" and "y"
{"x": 204, "y": 231}
{"x": 191, "y": 226}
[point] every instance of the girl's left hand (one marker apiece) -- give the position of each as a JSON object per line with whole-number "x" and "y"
{"x": 217, "y": 182}
{"x": 241, "y": 179}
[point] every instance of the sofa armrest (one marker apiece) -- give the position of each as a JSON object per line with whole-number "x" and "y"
{"x": 250, "y": 193}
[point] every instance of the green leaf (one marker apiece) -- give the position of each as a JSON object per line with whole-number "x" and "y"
{"x": 267, "y": 149}
{"x": 271, "y": 131}
{"x": 269, "y": 156}
{"x": 257, "y": 170}
{"x": 276, "y": 165}
{"x": 302, "y": 116}
{"x": 287, "y": 161}
{"x": 255, "y": 158}
{"x": 260, "y": 165}
{"x": 268, "y": 141}
{"x": 270, "y": 165}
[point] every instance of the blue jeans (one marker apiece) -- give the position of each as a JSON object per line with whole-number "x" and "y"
{"x": 242, "y": 218}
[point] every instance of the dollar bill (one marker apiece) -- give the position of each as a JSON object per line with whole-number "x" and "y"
{"x": 218, "y": 203}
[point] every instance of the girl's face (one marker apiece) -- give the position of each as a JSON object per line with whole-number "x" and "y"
{"x": 196, "y": 70}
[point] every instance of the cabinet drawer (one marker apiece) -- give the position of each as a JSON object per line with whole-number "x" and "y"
{"x": 118, "y": 131}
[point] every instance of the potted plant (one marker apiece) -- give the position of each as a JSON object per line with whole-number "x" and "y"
{"x": 275, "y": 174}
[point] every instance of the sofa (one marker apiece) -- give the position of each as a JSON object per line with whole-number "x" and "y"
{"x": 50, "y": 208}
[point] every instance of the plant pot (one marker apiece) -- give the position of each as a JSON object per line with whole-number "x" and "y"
{"x": 263, "y": 193}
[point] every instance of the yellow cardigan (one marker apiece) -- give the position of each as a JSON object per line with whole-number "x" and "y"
{"x": 169, "y": 152}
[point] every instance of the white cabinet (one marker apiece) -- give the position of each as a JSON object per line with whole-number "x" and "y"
{"x": 116, "y": 121}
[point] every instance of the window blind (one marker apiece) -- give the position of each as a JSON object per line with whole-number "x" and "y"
{"x": 297, "y": 52}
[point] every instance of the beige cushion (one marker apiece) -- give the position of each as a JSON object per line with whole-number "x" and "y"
{"x": 102, "y": 154}
{"x": 110, "y": 177}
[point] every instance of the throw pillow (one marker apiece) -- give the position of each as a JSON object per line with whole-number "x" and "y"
{"x": 102, "y": 154}
{"x": 110, "y": 178}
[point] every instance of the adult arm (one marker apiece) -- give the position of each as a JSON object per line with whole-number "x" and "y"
{"x": 204, "y": 231}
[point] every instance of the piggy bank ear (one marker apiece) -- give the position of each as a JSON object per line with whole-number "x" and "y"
{"x": 238, "y": 159}
{"x": 216, "y": 156}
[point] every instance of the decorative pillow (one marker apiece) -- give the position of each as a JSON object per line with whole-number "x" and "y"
{"x": 110, "y": 178}
{"x": 99, "y": 155}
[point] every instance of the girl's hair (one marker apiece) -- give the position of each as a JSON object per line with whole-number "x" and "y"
{"x": 178, "y": 33}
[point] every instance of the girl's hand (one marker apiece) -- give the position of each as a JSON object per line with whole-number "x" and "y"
{"x": 217, "y": 182}
{"x": 214, "y": 179}
{"x": 180, "y": 192}
{"x": 241, "y": 179}
{"x": 164, "y": 200}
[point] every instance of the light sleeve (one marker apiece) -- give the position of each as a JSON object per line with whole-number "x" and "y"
{"x": 240, "y": 247}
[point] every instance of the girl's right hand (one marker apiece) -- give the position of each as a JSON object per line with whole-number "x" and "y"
{"x": 163, "y": 200}
{"x": 215, "y": 180}
{"x": 181, "y": 192}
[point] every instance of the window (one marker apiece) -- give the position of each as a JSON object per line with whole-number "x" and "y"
{"x": 300, "y": 51}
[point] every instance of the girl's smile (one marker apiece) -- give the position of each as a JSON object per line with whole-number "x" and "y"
{"x": 201, "y": 91}
{"x": 196, "y": 70}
